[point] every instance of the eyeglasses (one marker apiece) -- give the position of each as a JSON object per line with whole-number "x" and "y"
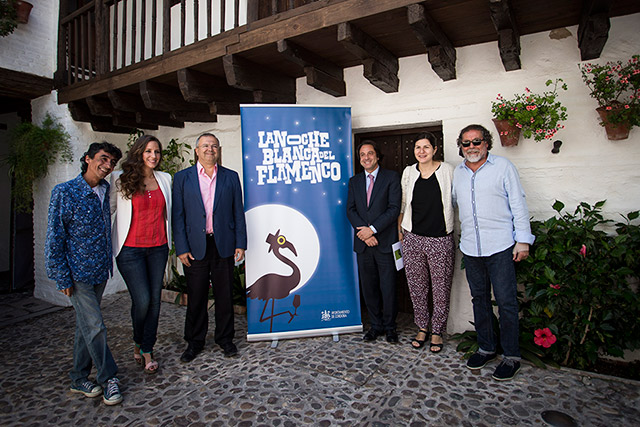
{"x": 475, "y": 142}
{"x": 212, "y": 146}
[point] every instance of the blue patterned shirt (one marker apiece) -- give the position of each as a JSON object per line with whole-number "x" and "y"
{"x": 78, "y": 244}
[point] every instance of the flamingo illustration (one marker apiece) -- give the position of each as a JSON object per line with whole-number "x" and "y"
{"x": 274, "y": 286}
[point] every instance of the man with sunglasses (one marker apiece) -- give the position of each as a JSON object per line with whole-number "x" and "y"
{"x": 495, "y": 233}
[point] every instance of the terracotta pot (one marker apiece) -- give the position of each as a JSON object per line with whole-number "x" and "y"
{"x": 615, "y": 132}
{"x": 23, "y": 9}
{"x": 509, "y": 134}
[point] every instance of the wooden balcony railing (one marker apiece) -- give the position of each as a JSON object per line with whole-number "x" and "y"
{"x": 103, "y": 36}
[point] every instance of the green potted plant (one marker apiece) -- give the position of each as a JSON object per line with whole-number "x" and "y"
{"x": 537, "y": 116}
{"x": 616, "y": 87}
{"x": 579, "y": 301}
{"x": 32, "y": 150}
{"x": 8, "y": 17}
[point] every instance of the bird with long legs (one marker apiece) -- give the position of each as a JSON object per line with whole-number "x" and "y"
{"x": 272, "y": 286}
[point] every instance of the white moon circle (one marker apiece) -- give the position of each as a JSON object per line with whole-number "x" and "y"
{"x": 296, "y": 229}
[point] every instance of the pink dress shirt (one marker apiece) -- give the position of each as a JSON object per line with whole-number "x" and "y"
{"x": 208, "y": 191}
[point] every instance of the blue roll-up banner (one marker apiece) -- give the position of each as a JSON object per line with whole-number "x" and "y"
{"x": 301, "y": 271}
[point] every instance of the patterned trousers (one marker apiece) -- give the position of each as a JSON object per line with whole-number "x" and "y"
{"x": 428, "y": 264}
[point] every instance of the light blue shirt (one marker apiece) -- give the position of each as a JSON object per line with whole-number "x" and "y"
{"x": 492, "y": 207}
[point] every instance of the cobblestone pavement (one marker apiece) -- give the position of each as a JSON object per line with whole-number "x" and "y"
{"x": 312, "y": 381}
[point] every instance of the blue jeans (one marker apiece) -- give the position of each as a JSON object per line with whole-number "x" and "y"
{"x": 91, "y": 335}
{"x": 143, "y": 270}
{"x": 497, "y": 270}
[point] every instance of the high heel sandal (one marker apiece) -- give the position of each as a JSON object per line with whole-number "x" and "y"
{"x": 137, "y": 356}
{"x": 438, "y": 347}
{"x": 151, "y": 367}
{"x": 416, "y": 343}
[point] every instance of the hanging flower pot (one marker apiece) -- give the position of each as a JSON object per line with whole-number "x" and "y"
{"x": 23, "y": 9}
{"x": 509, "y": 134}
{"x": 615, "y": 131}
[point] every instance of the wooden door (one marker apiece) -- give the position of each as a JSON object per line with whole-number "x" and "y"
{"x": 396, "y": 148}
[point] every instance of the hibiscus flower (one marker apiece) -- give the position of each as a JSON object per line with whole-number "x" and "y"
{"x": 544, "y": 337}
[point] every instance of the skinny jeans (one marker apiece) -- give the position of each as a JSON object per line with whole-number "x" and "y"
{"x": 143, "y": 271}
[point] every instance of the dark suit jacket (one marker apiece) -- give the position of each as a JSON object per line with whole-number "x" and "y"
{"x": 383, "y": 209}
{"x": 189, "y": 217}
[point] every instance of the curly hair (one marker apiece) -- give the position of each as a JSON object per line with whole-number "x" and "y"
{"x": 132, "y": 179}
{"x": 93, "y": 150}
{"x": 486, "y": 136}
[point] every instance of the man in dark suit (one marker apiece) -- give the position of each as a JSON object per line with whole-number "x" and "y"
{"x": 210, "y": 233}
{"x": 373, "y": 206}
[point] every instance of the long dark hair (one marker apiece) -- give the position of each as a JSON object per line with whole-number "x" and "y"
{"x": 132, "y": 179}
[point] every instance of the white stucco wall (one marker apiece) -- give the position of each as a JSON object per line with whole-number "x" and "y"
{"x": 31, "y": 48}
{"x": 588, "y": 168}
{"x": 81, "y": 136}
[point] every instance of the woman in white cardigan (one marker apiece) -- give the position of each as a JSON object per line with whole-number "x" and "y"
{"x": 426, "y": 229}
{"x": 141, "y": 236}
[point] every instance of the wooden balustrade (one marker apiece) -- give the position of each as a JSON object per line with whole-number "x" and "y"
{"x": 104, "y": 36}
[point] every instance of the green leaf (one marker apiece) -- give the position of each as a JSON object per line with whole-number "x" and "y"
{"x": 558, "y": 206}
{"x": 533, "y": 358}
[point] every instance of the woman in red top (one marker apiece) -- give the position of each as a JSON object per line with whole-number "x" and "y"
{"x": 141, "y": 235}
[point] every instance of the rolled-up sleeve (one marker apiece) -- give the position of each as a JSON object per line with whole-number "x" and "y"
{"x": 518, "y": 206}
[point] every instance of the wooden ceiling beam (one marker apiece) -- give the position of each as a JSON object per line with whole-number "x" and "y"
{"x": 204, "y": 88}
{"x": 380, "y": 65}
{"x": 440, "y": 50}
{"x": 160, "y": 118}
{"x": 194, "y": 116}
{"x": 593, "y": 30}
{"x": 100, "y": 106}
{"x": 128, "y": 119}
{"x": 124, "y": 101}
{"x": 161, "y": 97}
{"x": 143, "y": 117}
{"x": 16, "y": 84}
{"x": 321, "y": 74}
{"x": 104, "y": 124}
{"x": 242, "y": 73}
{"x": 505, "y": 24}
{"x": 80, "y": 112}
{"x": 226, "y": 108}
{"x": 268, "y": 97}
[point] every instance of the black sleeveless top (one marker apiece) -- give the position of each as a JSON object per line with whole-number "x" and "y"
{"x": 427, "y": 212}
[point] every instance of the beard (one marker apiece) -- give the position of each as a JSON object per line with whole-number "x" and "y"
{"x": 475, "y": 156}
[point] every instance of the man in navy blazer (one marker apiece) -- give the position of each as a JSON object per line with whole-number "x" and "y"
{"x": 373, "y": 206}
{"x": 210, "y": 233}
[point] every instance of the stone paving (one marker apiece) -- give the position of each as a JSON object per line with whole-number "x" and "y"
{"x": 312, "y": 381}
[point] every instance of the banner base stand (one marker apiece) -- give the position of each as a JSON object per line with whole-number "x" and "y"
{"x": 274, "y": 343}
{"x": 336, "y": 338}
{"x": 308, "y": 333}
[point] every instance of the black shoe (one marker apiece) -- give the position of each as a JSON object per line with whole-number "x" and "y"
{"x": 371, "y": 335}
{"x": 230, "y": 350}
{"x": 189, "y": 354}
{"x": 392, "y": 337}
{"x": 479, "y": 360}
{"x": 506, "y": 370}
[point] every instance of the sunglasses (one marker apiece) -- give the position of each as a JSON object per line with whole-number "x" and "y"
{"x": 475, "y": 142}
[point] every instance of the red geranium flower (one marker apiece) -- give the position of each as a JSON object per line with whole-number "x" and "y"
{"x": 544, "y": 337}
